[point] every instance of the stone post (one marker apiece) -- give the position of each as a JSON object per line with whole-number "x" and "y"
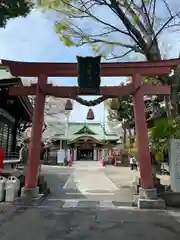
{"x": 95, "y": 153}
{"x": 75, "y": 154}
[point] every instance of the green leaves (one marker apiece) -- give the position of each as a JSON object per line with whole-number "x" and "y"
{"x": 67, "y": 41}
{"x": 152, "y": 81}
{"x": 12, "y": 9}
{"x": 61, "y": 27}
{"x": 53, "y": 4}
{"x": 95, "y": 48}
{"x": 163, "y": 130}
{"x": 123, "y": 108}
{"x": 133, "y": 30}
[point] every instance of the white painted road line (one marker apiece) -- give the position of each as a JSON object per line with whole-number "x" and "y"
{"x": 127, "y": 208}
{"x": 81, "y": 203}
{"x": 71, "y": 203}
{"x": 86, "y": 193}
{"x": 175, "y": 214}
{"x": 67, "y": 182}
{"x": 74, "y": 193}
{"x": 107, "y": 204}
{"x": 54, "y": 199}
{"x": 97, "y": 193}
{"x": 112, "y": 184}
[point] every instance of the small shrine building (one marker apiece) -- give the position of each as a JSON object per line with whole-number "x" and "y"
{"x": 85, "y": 140}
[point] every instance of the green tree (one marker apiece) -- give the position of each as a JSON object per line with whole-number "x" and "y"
{"x": 121, "y": 110}
{"x": 136, "y": 27}
{"x": 174, "y": 81}
{"x": 162, "y": 132}
{"x": 13, "y": 8}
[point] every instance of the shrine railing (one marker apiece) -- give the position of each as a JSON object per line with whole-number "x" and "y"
{"x": 11, "y": 160}
{"x": 11, "y": 155}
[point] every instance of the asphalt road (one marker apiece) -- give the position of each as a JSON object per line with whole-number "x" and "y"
{"x": 87, "y": 184}
{"x": 83, "y": 205}
{"x": 75, "y": 224}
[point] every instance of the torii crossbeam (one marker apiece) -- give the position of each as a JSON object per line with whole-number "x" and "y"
{"x": 137, "y": 89}
{"x": 72, "y": 92}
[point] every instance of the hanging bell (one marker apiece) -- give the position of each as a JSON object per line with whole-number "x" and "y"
{"x": 68, "y": 105}
{"x": 90, "y": 115}
{"x": 114, "y": 104}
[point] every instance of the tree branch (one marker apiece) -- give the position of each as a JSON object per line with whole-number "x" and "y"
{"x": 162, "y": 28}
{"x": 119, "y": 56}
{"x": 87, "y": 11}
{"x": 129, "y": 26}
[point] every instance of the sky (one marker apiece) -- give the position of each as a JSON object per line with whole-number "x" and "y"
{"x": 33, "y": 39}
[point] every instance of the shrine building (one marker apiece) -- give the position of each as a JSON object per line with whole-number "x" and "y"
{"x": 85, "y": 140}
{"x": 15, "y": 112}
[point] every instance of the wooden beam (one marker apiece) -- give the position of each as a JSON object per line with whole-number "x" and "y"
{"x": 22, "y": 91}
{"x": 156, "y": 89}
{"x": 71, "y": 92}
{"x": 74, "y": 91}
{"x": 68, "y": 92}
{"x": 25, "y": 90}
{"x": 34, "y": 69}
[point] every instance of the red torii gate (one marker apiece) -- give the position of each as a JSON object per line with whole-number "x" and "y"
{"x": 137, "y": 89}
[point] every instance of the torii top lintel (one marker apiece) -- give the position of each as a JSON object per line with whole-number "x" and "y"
{"x": 34, "y": 69}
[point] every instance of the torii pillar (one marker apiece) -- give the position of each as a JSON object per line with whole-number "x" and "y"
{"x": 30, "y": 189}
{"x": 147, "y": 190}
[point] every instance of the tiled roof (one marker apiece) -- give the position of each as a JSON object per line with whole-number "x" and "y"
{"x": 8, "y": 80}
{"x": 73, "y": 128}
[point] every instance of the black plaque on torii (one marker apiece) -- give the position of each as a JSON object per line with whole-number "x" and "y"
{"x": 89, "y": 74}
